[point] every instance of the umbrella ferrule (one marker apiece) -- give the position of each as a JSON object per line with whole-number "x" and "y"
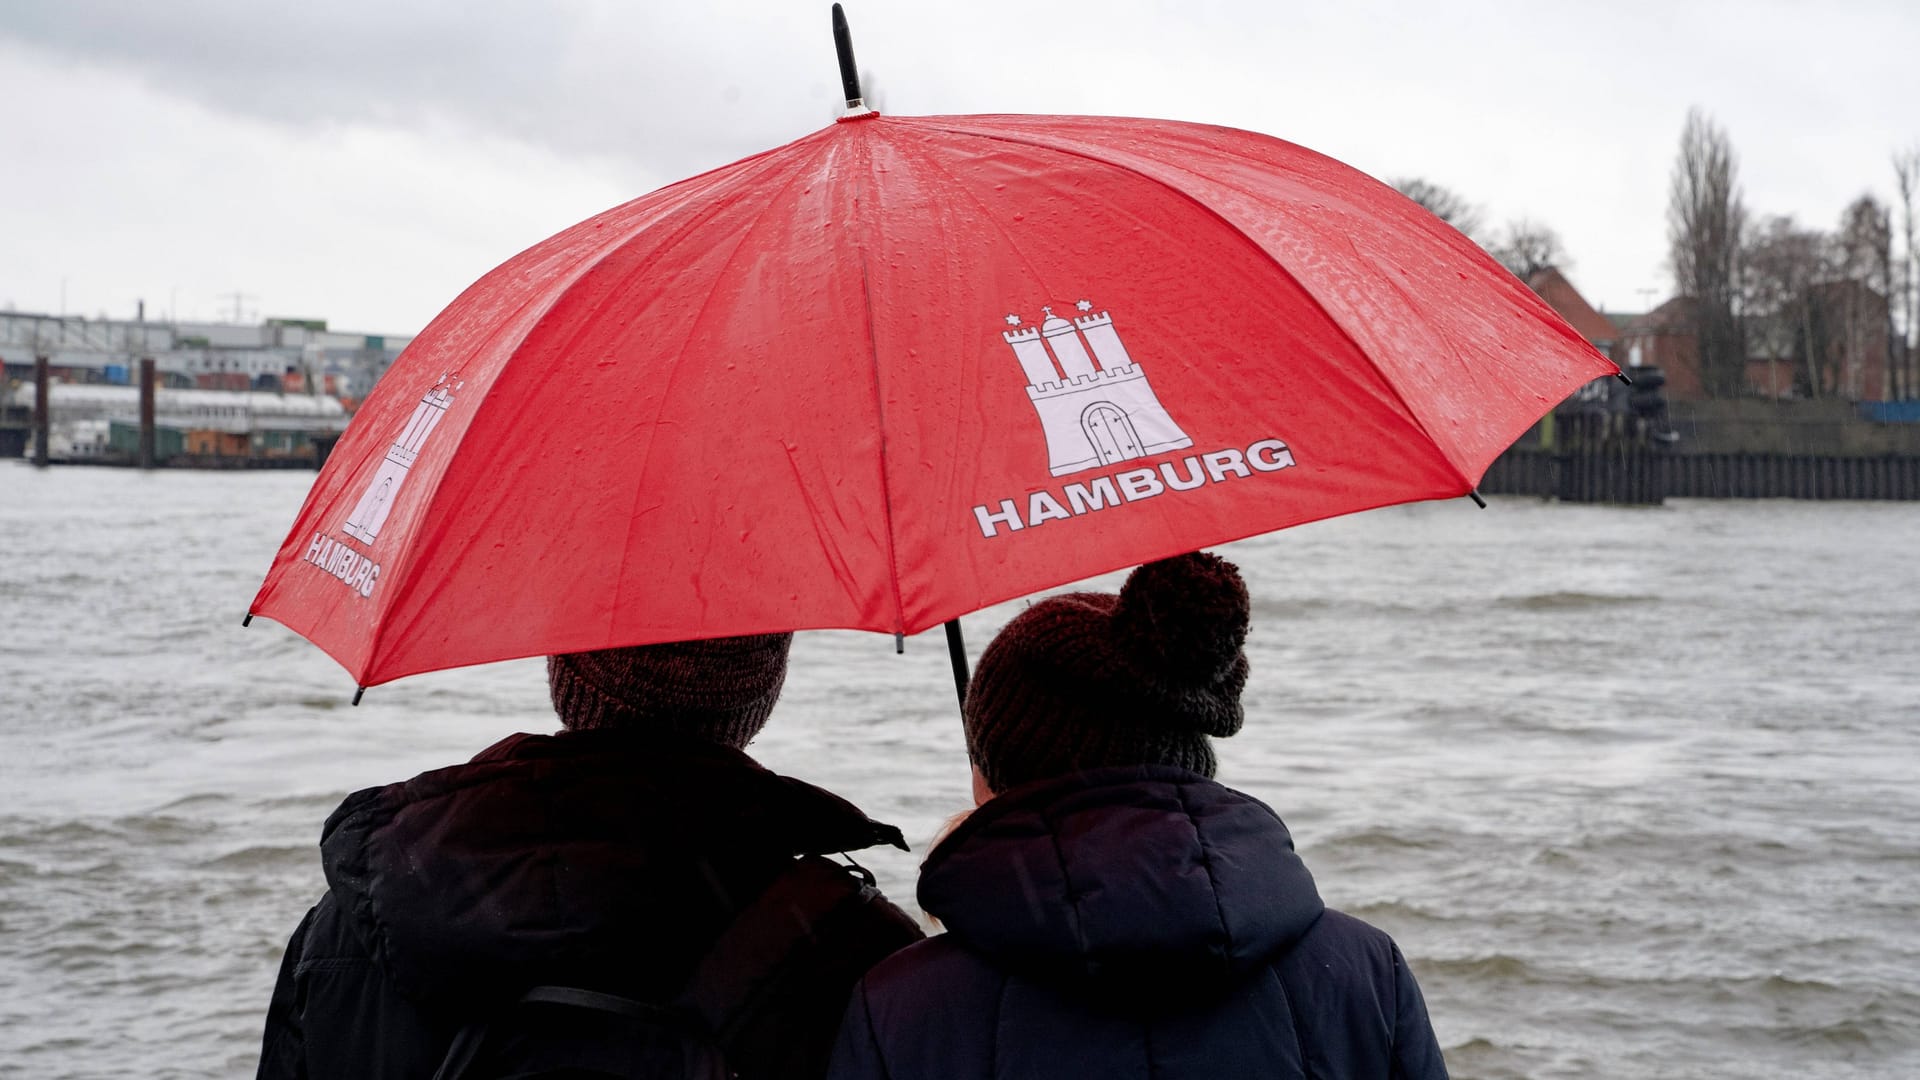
{"x": 849, "y": 73}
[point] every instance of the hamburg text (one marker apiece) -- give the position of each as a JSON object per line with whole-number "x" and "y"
{"x": 1132, "y": 485}
{"x": 354, "y": 570}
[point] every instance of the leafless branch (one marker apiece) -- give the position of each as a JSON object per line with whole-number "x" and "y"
{"x": 1705, "y": 220}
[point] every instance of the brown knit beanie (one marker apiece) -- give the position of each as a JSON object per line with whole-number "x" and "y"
{"x": 720, "y": 690}
{"x": 1083, "y": 680}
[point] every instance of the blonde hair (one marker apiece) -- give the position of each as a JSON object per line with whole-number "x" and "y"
{"x": 939, "y": 835}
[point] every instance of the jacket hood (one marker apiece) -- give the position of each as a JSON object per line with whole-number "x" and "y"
{"x": 596, "y": 856}
{"x": 1123, "y": 878}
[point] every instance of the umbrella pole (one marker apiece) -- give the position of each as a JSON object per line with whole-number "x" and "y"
{"x": 957, "y": 652}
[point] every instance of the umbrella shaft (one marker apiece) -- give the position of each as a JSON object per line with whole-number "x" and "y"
{"x": 957, "y": 652}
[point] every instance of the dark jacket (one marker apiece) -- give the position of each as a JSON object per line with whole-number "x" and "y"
{"x": 592, "y": 859}
{"x": 1133, "y": 922}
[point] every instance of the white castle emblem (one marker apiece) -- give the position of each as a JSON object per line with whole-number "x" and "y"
{"x": 370, "y": 513}
{"x": 1091, "y": 417}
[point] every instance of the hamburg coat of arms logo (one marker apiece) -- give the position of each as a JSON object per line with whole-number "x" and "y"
{"x": 1097, "y": 410}
{"x": 359, "y": 572}
{"x": 376, "y": 502}
{"x": 1092, "y": 415}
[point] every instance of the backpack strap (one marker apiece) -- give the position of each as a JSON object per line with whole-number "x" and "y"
{"x": 462, "y": 1052}
{"x": 747, "y": 956}
{"x": 766, "y": 933}
{"x": 608, "y": 1003}
{"x": 471, "y": 1039}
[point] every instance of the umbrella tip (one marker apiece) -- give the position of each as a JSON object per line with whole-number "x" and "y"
{"x": 357, "y": 691}
{"x": 1623, "y": 377}
{"x": 1474, "y": 494}
{"x": 899, "y": 643}
{"x": 849, "y": 74}
{"x": 248, "y": 621}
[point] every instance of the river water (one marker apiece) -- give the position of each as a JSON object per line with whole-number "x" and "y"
{"x": 1633, "y": 788}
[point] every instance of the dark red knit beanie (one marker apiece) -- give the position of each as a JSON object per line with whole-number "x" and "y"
{"x": 1083, "y": 680}
{"x": 721, "y": 690}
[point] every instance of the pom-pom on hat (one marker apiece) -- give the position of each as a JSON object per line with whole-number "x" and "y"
{"x": 1082, "y": 680}
{"x": 721, "y": 690}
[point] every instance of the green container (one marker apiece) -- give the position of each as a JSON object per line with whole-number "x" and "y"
{"x": 123, "y": 437}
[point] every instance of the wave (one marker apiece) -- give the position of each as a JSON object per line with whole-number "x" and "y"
{"x": 1266, "y": 610}
{"x": 1571, "y": 601}
{"x": 1391, "y": 911}
{"x": 197, "y": 801}
{"x": 1851, "y": 1035}
{"x": 1379, "y": 839}
{"x": 59, "y": 834}
{"x": 1492, "y": 966}
{"x": 260, "y": 856}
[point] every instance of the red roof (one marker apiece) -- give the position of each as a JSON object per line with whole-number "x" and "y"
{"x": 1553, "y": 287}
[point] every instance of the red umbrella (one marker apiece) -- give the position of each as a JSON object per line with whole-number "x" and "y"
{"x": 902, "y": 369}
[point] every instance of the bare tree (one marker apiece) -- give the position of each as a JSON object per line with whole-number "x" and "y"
{"x": 1865, "y": 264}
{"x": 1442, "y": 202}
{"x": 1783, "y": 263}
{"x": 1705, "y": 219}
{"x": 1527, "y": 247}
{"x": 1906, "y": 172}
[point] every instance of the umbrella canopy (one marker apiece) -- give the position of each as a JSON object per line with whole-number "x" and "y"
{"x": 902, "y": 369}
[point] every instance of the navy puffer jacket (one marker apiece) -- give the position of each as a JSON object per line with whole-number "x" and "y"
{"x": 1139, "y": 921}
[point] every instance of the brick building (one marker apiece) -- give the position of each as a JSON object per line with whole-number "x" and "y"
{"x": 1842, "y": 323}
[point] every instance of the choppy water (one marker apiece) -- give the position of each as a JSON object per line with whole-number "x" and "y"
{"x": 1635, "y": 789}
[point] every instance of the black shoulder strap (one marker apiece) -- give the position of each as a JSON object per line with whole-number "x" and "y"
{"x": 608, "y": 1003}
{"x": 766, "y": 932}
{"x": 466, "y": 1046}
{"x": 461, "y": 1053}
{"x": 746, "y": 954}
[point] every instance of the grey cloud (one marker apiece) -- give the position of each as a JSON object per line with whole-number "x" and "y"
{"x": 640, "y": 82}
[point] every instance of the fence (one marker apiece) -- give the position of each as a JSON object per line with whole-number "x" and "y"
{"x": 1634, "y": 475}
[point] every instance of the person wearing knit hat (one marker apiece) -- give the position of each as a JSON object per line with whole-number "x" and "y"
{"x": 1088, "y": 679}
{"x": 1110, "y": 908}
{"x": 721, "y": 690}
{"x": 617, "y": 856}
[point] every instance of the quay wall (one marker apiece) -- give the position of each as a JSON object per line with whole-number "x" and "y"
{"x": 1635, "y": 475}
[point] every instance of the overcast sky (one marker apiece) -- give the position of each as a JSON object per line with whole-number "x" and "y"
{"x": 363, "y": 162}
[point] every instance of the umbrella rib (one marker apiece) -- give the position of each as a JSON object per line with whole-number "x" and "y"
{"x": 679, "y": 356}
{"x": 385, "y": 621}
{"x": 986, "y": 215}
{"x": 1385, "y": 379}
{"x": 1006, "y": 237}
{"x": 865, "y": 212}
{"x": 619, "y": 239}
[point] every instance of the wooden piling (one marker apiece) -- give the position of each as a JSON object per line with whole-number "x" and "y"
{"x": 42, "y": 411}
{"x": 146, "y": 412}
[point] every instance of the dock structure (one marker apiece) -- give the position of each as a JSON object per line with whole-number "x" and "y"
{"x": 1611, "y": 443}
{"x": 153, "y": 426}
{"x": 1645, "y": 478}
